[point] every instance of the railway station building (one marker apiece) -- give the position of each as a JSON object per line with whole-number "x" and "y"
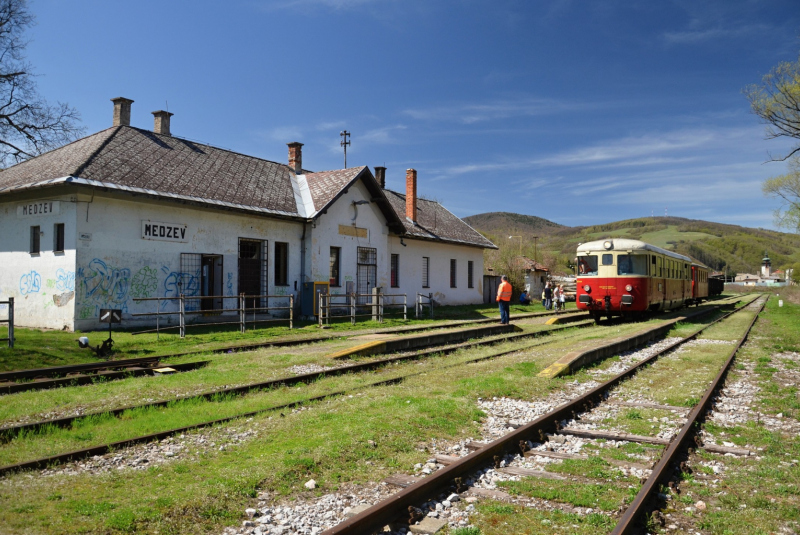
{"x": 127, "y": 214}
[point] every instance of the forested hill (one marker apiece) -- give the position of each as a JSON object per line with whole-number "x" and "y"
{"x": 739, "y": 249}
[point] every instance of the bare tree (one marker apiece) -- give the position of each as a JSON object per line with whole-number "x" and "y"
{"x": 777, "y": 102}
{"x": 29, "y": 125}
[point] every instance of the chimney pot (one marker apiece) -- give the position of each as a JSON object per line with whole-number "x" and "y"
{"x": 411, "y": 194}
{"x": 161, "y": 122}
{"x": 122, "y": 111}
{"x": 296, "y": 157}
{"x": 380, "y": 176}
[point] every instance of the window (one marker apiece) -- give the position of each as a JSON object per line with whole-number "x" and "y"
{"x": 395, "y": 270}
{"x": 469, "y": 274}
{"x": 336, "y": 255}
{"x": 587, "y": 265}
{"x": 608, "y": 259}
{"x": 452, "y": 272}
{"x": 35, "y": 233}
{"x": 281, "y": 264}
{"x": 58, "y": 238}
{"x": 631, "y": 265}
{"x": 366, "y": 274}
{"x": 426, "y": 269}
{"x": 252, "y": 280}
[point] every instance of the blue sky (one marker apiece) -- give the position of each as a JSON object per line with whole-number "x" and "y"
{"x": 576, "y": 111}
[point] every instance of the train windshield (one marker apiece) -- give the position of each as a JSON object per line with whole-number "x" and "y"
{"x": 587, "y": 265}
{"x": 631, "y": 264}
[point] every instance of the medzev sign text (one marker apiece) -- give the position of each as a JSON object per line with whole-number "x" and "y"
{"x": 156, "y": 230}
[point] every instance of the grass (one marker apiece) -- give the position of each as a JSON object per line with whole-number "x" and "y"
{"x": 37, "y": 348}
{"x": 606, "y": 497}
{"x": 497, "y": 520}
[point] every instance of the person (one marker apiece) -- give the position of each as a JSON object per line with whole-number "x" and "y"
{"x": 548, "y": 297}
{"x": 555, "y": 298}
{"x": 524, "y": 298}
{"x": 562, "y": 299}
{"x": 543, "y": 299}
{"x": 504, "y": 299}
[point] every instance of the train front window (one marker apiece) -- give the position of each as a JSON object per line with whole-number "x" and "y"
{"x": 608, "y": 259}
{"x": 587, "y": 265}
{"x": 631, "y": 264}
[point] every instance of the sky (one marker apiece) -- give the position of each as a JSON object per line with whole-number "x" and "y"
{"x": 576, "y": 111}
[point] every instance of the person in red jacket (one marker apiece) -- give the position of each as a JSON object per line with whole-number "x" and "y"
{"x": 504, "y": 299}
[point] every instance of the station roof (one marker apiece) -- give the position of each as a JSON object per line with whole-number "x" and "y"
{"x": 138, "y": 161}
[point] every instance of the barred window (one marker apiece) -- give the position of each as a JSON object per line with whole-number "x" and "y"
{"x": 395, "y": 270}
{"x": 469, "y": 274}
{"x": 426, "y": 268}
{"x": 452, "y": 272}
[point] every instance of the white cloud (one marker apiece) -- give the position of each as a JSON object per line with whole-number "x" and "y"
{"x": 498, "y": 109}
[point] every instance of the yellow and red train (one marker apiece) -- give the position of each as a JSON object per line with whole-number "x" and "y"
{"x": 622, "y": 277}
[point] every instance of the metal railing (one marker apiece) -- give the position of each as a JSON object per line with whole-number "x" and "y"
{"x": 10, "y": 321}
{"x": 327, "y": 304}
{"x": 420, "y": 304}
{"x": 241, "y": 309}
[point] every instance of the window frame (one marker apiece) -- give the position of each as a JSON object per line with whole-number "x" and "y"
{"x": 58, "y": 238}
{"x": 426, "y": 271}
{"x": 281, "y": 271}
{"x": 394, "y": 274}
{"x": 35, "y": 248}
{"x": 335, "y": 267}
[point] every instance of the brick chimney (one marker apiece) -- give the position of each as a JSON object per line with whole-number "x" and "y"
{"x": 380, "y": 176}
{"x": 161, "y": 122}
{"x": 296, "y": 157}
{"x": 122, "y": 111}
{"x": 411, "y": 194}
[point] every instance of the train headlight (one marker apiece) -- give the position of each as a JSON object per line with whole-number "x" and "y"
{"x": 628, "y": 288}
{"x": 587, "y": 289}
{"x": 608, "y": 244}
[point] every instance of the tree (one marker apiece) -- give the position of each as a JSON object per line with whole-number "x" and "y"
{"x": 787, "y": 189}
{"x": 28, "y": 124}
{"x": 777, "y": 102}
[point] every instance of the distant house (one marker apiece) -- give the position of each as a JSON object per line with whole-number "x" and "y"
{"x": 128, "y": 213}
{"x": 536, "y": 275}
{"x": 767, "y": 277}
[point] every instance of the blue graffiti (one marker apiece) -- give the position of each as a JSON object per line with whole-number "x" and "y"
{"x": 104, "y": 284}
{"x": 30, "y": 283}
{"x": 177, "y": 283}
{"x": 229, "y": 285}
{"x": 65, "y": 280}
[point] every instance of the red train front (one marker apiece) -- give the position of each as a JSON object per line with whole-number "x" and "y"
{"x": 621, "y": 277}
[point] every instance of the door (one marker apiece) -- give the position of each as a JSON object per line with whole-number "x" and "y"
{"x": 366, "y": 274}
{"x": 253, "y": 271}
{"x": 211, "y": 282}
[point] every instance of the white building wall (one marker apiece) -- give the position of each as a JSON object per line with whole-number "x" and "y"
{"x": 114, "y": 264}
{"x": 43, "y": 285}
{"x": 440, "y": 254}
{"x": 344, "y": 225}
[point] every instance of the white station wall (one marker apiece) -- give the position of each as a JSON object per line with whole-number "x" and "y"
{"x": 115, "y": 264}
{"x": 42, "y": 285}
{"x": 410, "y": 262}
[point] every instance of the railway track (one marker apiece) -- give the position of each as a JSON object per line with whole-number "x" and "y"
{"x": 10, "y": 432}
{"x": 403, "y": 507}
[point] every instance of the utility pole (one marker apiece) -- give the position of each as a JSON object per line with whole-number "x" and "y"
{"x": 535, "y": 249}
{"x": 344, "y": 143}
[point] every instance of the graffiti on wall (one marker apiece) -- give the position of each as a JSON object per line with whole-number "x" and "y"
{"x": 144, "y": 283}
{"x": 65, "y": 280}
{"x": 177, "y": 283}
{"x": 229, "y": 285}
{"x": 30, "y": 283}
{"x": 102, "y": 284}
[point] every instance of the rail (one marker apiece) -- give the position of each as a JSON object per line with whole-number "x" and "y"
{"x": 10, "y": 321}
{"x": 420, "y": 305}
{"x": 242, "y": 310}
{"x": 327, "y": 304}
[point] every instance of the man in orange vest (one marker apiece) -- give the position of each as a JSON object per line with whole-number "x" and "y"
{"x": 504, "y": 299}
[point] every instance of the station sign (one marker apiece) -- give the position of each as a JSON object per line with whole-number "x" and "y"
{"x": 35, "y": 209}
{"x": 156, "y": 230}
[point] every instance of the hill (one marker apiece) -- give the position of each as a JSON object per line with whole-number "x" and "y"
{"x": 720, "y": 246}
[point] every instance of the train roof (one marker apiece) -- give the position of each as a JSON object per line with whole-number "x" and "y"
{"x": 623, "y": 244}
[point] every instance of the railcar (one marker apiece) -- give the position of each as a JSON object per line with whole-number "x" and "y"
{"x": 622, "y": 277}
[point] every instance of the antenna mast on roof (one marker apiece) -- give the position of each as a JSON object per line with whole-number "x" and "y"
{"x": 344, "y": 143}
